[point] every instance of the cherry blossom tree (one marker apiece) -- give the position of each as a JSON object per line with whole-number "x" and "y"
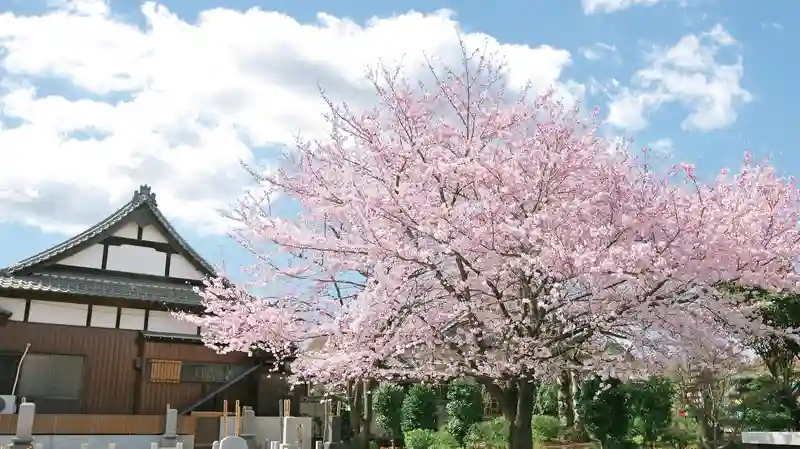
{"x": 460, "y": 229}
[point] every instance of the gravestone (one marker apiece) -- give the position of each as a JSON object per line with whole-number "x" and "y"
{"x": 24, "y": 435}
{"x": 333, "y": 429}
{"x": 215, "y": 445}
{"x": 293, "y": 433}
{"x": 233, "y": 442}
{"x": 333, "y": 433}
{"x": 319, "y": 445}
{"x": 248, "y": 427}
{"x": 170, "y": 437}
{"x": 274, "y": 445}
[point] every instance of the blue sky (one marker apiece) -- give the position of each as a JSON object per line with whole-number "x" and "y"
{"x": 98, "y": 97}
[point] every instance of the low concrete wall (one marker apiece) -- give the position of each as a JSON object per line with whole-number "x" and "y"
{"x": 99, "y": 441}
{"x": 771, "y": 439}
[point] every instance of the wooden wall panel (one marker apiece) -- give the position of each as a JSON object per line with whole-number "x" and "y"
{"x": 111, "y": 378}
{"x": 109, "y": 365}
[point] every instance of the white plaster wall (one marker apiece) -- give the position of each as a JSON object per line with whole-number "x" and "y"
{"x": 14, "y": 305}
{"x": 104, "y": 316}
{"x": 136, "y": 259}
{"x": 152, "y": 234}
{"x": 179, "y": 267}
{"x": 91, "y": 257}
{"x": 129, "y": 230}
{"x": 99, "y": 441}
{"x": 165, "y": 322}
{"x": 58, "y": 313}
{"x": 132, "y": 319}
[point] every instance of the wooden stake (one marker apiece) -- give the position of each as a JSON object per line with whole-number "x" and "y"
{"x": 225, "y": 418}
{"x": 238, "y": 423}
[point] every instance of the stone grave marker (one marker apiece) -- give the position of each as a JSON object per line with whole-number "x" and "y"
{"x": 248, "y": 427}
{"x": 333, "y": 433}
{"x": 24, "y": 434}
{"x": 233, "y": 442}
{"x": 170, "y": 437}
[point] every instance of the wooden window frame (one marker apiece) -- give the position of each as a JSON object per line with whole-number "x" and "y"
{"x": 53, "y": 399}
{"x": 163, "y": 371}
{"x": 188, "y": 371}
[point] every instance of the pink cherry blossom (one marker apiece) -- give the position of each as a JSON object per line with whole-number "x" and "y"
{"x": 453, "y": 230}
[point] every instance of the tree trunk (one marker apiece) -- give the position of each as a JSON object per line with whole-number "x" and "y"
{"x": 517, "y": 401}
{"x": 360, "y": 398}
{"x": 580, "y": 429}
{"x": 565, "y": 400}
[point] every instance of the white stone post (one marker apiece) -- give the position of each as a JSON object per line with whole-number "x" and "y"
{"x": 24, "y": 434}
{"x": 170, "y": 437}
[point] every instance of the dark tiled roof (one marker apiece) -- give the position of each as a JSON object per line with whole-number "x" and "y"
{"x": 141, "y": 198}
{"x": 104, "y": 287}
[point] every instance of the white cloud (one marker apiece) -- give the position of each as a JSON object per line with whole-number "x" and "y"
{"x": 597, "y": 87}
{"x": 599, "y": 51}
{"x": 689, "y": 74}
{"x": 772, "y": 26}
{"x": 609, "y": 6}
{"x": 663, "y": 146}
{"x": 91, "y": 106}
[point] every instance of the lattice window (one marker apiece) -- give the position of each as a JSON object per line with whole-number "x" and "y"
{"x": 210, "y": 372}
{"x": 165, "y": 371}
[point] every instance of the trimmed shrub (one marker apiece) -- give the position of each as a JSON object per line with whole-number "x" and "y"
{"x": 603, "y": 405}
{"x": 546, "y": 428}
{"x": 489, "y": 434}
{"x": 419, "y": 438}
{"x": 464, "y": 408}
{"x": 387, "y": 404}
{"x": 419, "y": 409}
